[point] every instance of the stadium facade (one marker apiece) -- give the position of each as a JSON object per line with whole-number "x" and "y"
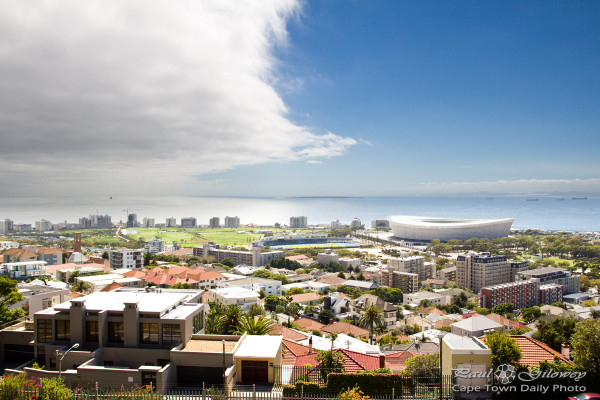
{"x": 427, "y": 228}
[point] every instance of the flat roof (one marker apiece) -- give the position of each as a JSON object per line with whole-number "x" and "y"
{"x": 542, "y": 271}
{"x": 255, "y": 346}
{"x": 477, "y": 323}
{"x": 235, "y": 292}
{"x": 210, "y": 346}
{"x": 115, "y": 301}
{"x": 458, "y": 342}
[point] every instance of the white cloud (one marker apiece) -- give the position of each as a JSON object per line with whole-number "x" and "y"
{"x": 131, "y": 95}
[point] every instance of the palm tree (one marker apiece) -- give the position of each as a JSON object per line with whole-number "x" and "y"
{"x": 255, "y": 326}
{"x": 371, "y": 317}
{"x": 333, "y": 337}
{"x": 82, "y": 287}
{"x": 230, "y": 319}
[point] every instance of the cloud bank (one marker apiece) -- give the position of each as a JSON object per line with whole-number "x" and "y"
{"x": 135, "y": 96}
{"x": 515, "y": 186}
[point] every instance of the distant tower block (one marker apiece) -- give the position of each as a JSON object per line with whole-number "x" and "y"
{"x": 77, "y": 242}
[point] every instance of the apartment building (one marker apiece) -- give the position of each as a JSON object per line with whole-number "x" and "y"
{"x": 447, "y": 274}
{"x": 516, "y": 267}
{"x": 43, "y": 225}
{"x": 14, "y": 255}
{"x": 298, "y": 222}
{"x": 232, "y": 222}
{"x": 413, "y": 265}
{"x": 154, "y": 246}
{"x": 101, "y": 221}
{"x": 188, "y": 222}
{"x": 52, "y": 256}
{"x": 214, "y": 222}
{"x": 550, "y": 293}
{"x": 405, "y": 281}
{"x": 477, "y": 270}
{"x": 255, "y": 257}
{"x": 171, "y": 223}
{"x": 148, "y": 222}
{"x": 6, "y": 225}
{"x": 327, "y": 257}
{"x": 241, "y": 296}
{"x": 269, "y": 286}
{"x": 24, "y": 270}
{"x": 553, "y": 275}
{"x": 522, "y": 293}
{"x": 126, "y": 258}
{"x": 5, "y": 245}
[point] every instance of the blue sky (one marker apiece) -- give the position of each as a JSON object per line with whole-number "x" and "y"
{"x": 287, "y": 98}
{"x": 442, "y": 92}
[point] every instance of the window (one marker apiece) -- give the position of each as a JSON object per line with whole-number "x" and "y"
{"x": 44, "y": 330}
{"x": 171, "y": 333}
{"x": 115, "y": 332}
{"x": 198, "y": 322}
{"x": 91, "y": 331}
{"x": 63, "y": 329}
{"x": 149, "y": 333}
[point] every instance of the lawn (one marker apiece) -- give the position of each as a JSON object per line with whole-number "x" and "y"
{"x": 191, "y": 237}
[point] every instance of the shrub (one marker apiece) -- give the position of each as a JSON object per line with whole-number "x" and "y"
{"x": 371, "y": 384}
{"x": 54, "y": 389}
{"x": 302, "y": 387}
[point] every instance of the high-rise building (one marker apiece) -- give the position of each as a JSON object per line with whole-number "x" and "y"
{"x": 101, "y": 221}
{"x": 6, "y": 225}
{"x": 188, "y": 222}
{"x": 405, "y": 281}
{"x": 232, "y": 222}
{"x": 43, "y": 225}
{"x": 355, "y": 223}
{"x": 126, "y": 258}
{"x": 335, "y": 224}
{"x": 85, "y": 222}
{"x": 521, "y": 294}
{"x": 132, "y": 221}
{"x": 154, "y": 246}
{"x": 413, "y": 265}
{"x": 214, "y": 222}
{"x": 171, "y": 223}
{"x": 380, "y": 224}
{"x": 24, "y": 228}
{"x": 553, "y": 275}
{"x": 298, "y": 222}
{"x": 477, "y": 270}
{"x": 148, "y": 222}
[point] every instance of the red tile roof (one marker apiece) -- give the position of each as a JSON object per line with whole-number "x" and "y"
{"x": 534, "y": 351}
{"x": 505, "y": 321}
{"x": 20, "y": 253}
{"x": 306, "y": 297}
{"x": 48, "y": 250}
{"x": 134, "y": 273}
{"x": 287, "y": 333}
{"x": 353, "y": 361}
{"x": 397, "y": 361}
{"x": 111, "y": 287}
{"x": 307, "y": 324}
{"x": 348, "y": 329}
{"x": 296, "y": 258}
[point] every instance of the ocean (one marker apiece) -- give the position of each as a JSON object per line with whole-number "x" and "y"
{"x": 543, "y": 212}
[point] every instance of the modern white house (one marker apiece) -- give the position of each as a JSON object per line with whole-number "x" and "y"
{"x": 234, "y": 295}
{"x": 24, "y": 270}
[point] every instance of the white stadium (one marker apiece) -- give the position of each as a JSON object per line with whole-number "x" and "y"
{"x": 426, "y": 228}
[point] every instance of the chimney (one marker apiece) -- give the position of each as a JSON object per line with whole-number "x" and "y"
{"x": 565, "y": 351}
{"x": 310, "y": 345}
{"x": 382, "y": 360}
{"x": 330, "y": 321}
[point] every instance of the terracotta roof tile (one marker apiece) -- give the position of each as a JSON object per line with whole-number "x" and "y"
{"x": 304, "y": 297}
{"x": 534, "y": 351}
{"x": 48, "y": 250}
{"x": 345, "y": 327}
{"x": 20, "y": 253}
{"x": 287, "y": 333}
{"x": 111, "y": 287}
{"x": 397, "y": 361}
{"x": 505, "y": 321}
{"x": 307, "y": 324}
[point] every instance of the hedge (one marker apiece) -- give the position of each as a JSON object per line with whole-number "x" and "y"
{"x": 302, "y": 387}
{"x": 370, "y": 384}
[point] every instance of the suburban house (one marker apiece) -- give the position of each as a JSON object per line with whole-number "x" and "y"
{"x": 358, "y": 306}
{"x": 234, "y": 295}
{"x": 475, "y": 326}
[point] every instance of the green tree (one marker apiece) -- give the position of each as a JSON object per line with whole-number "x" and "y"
{"x": 505, "y": 349}
{"x": 370, "y": 318}
{"x": 9, "y": 295}
{"x": 256, "y": 309}
{"x": 293, "y": 309}
{"x": 271, "y": 302}
{"x": 530, "y": 314}
{"x": 559, "y": 304}
{"x": 555, "y": 332}
{"x": 329, "y": 362}
{"x": 293, "y": 291}
{"x": 230, "y": 320}
{"x": 105, "y": 255}
{"x": 461, "y": 300}
{"x": 422, "y": 366}
{"x": 228, "y": 262}
{"x": 503, "y": 309}
{"x": 255, "y": 326}
{"x": 181, "y": 286}
{"x": 586, "y": 346}
{"x": 325, "y": 316}
{"x": 81, "y": 287}
{"x": 147, "y": 259}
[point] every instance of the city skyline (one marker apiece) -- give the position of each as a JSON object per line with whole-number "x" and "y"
{"x": 289, "y": 98}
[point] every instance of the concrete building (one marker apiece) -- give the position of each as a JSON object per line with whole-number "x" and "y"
{"x": 447, "y": 274}
{"x": 24, "y": 228}
{"x": 154, "y": 246}
{"x": 468, "y": 353}
{"x": 548, "y": 275}
{"x": 132, "y": 221}
{"x": 433, "y": 298}
{"x": 475, "y": 326}
{"x": 214, "y": 222}
{"x": 188, "y": 222}
{"x": 348, "y": 262}
{"x": 477, "y": 270}
{"x": 24, "y": 270}
{"x": 336, "y": 224}
{"x": 413, "y": 265}
{"x": 427, "y": 228}
{"x": 550, "y": 293}
{"x": 380, "y": 224}
{"x": 359, "y": 305}
{"x": 256, "y": 284}
{"x": 516, "y": 267}
{"x": 405, "y": 281}
{"x": 232, "y": 222}
{"x": 52, "y": 255}
{"x": 298, "y": 222}
{"x": 85, "y": 222}
{"x": 520, "y": 294}
{"x": 234, "y": 295}
{"x": 126, "y": 258}
{"x": 327, "y": 257}
{"x": 361, "y": 285}
{"x": 7, "y": 225}
{"x": 254, "y": 257}
{"x": 99, "y": 282}
{"x": 43, "y": 225}
{"x": 5, "y": 245}
{"x": 39, "y": 297}
{"x": 17, "y": 255}
{"x": 101, "y": 221}
{"x": 355, "y": 223}
{"x": 148, "y": 222}
{"x": 171, "y": 223}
